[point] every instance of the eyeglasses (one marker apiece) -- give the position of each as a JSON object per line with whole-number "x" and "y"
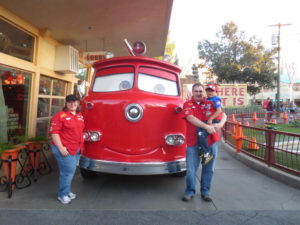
{"x": 198, "y": 91}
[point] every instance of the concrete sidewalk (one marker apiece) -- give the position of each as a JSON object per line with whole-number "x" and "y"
{"x": 240, "y": 195}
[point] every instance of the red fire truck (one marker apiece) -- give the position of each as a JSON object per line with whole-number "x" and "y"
{"x": 132, "y": 117}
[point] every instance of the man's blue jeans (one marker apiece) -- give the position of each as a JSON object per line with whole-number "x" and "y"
{"x": 193, "y": 161}
{"x": 67, "y": 167}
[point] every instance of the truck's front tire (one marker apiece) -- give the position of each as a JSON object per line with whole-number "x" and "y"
{"x": 180, "y": 174}
{"x": 87, "y": 174}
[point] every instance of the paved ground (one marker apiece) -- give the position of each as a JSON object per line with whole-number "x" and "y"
{"x": 240, "y": 196}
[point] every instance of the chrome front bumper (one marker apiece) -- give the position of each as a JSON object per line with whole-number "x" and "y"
{"x": 147, "y": 168}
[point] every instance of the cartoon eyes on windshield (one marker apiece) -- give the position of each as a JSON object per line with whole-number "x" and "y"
{"x": 159, "y": 88}
{"x": 124, "y": 85}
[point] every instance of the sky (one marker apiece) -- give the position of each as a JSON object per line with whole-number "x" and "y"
{"x": 195, "y": 20}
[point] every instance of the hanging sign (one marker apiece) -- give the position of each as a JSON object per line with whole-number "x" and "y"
{"x": 91, "y": 57}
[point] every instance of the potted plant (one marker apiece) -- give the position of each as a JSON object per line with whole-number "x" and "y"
{"x": 34, "y": 145}
{"x": 9, "y": 158}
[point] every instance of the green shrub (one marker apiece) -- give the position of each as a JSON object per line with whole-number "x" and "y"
{"x": 5, "y": 146}
{"x": 271, "y": 126}
{"x": 38, "y": 139}
{"x": 19, "y": 139}
{"x": 243, "y": 110}
{"x": 296, "y": 123}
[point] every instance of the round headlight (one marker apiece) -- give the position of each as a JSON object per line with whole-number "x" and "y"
{"x": 170, "y": 140}
{"x": 95, "y": 136}
{"x": 85, "y": 136}
{"x": 174, "y": 139}
{"x": 180, "y": 140}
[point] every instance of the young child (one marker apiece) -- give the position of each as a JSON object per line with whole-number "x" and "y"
{"x": 212, "y": 109}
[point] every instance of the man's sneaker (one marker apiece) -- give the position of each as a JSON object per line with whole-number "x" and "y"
{"x": 206, "y": 198}
{"x": 187, "y": 198}
{"x": 72, "y": 196}
{"x": 206, "y": 158}
{"x": 64, "y": 200}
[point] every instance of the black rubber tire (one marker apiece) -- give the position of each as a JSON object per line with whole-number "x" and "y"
{"x": 87, "y": 174}
{"x": 180, "y": 174}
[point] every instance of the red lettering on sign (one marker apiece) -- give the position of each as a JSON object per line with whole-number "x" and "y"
{"x": 234, "y": 91}
{"x": 242, "y": 91}
{"x": 240, "y": 101}
{"x": 226, "y": 91}
{"x": 220, "y": 92}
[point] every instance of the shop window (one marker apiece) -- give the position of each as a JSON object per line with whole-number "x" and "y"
{"x": 16, "y": 42}
{"x": 57, "y": 105}
{"x": 45, "y": 85}
{"x": 59, "y": 88}
{"x": 43, "y": 107}
{"x": 14, "y": 102}
{"x": 51, "y": 100}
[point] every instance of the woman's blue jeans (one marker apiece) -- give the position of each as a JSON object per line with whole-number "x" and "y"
{"x": 193, "y": 161}
{"x": 67, "y": 167}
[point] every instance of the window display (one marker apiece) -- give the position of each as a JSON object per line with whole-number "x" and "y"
{"x": 14, "y": 89}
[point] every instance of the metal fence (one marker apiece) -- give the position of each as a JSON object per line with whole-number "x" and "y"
{"x": 275, "y": 148}
{"x": 262, "y": 118}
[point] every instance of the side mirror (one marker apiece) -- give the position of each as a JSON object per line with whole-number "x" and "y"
{"x": 81, "y": 88}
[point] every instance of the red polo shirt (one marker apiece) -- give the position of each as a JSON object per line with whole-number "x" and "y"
{"x": 198, "y": 110}
{"x": 70, "y": 129}
{"x": 191, "y": 107}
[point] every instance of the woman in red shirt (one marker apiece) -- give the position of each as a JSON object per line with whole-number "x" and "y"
{"x": 66, "y": 130}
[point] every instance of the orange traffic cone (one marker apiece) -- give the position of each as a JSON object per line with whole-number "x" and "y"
{"x": 239, "y": 130}
{"x": 285, "y": 117}
{"x": 253, "y": 144}
{"x": 233, "y": 129}
{"x": 254, "y": 118}
{"x": 233, "y": 118}
{"x": 247, "y": 123}
{"x": 238, "y": 136}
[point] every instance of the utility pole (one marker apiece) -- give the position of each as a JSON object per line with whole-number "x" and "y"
{"x": 279, "y": 25}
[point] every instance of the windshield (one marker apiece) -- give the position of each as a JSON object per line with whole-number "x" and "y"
{"x": 157, "y": 85}
{"x": 113, "y": 82}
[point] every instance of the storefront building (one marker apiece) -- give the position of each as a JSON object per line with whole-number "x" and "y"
{"x": 30, "y": 91}
{"x": 32, "y": 87}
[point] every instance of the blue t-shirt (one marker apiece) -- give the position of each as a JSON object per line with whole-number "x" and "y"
{"x": 216, "y": 101}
